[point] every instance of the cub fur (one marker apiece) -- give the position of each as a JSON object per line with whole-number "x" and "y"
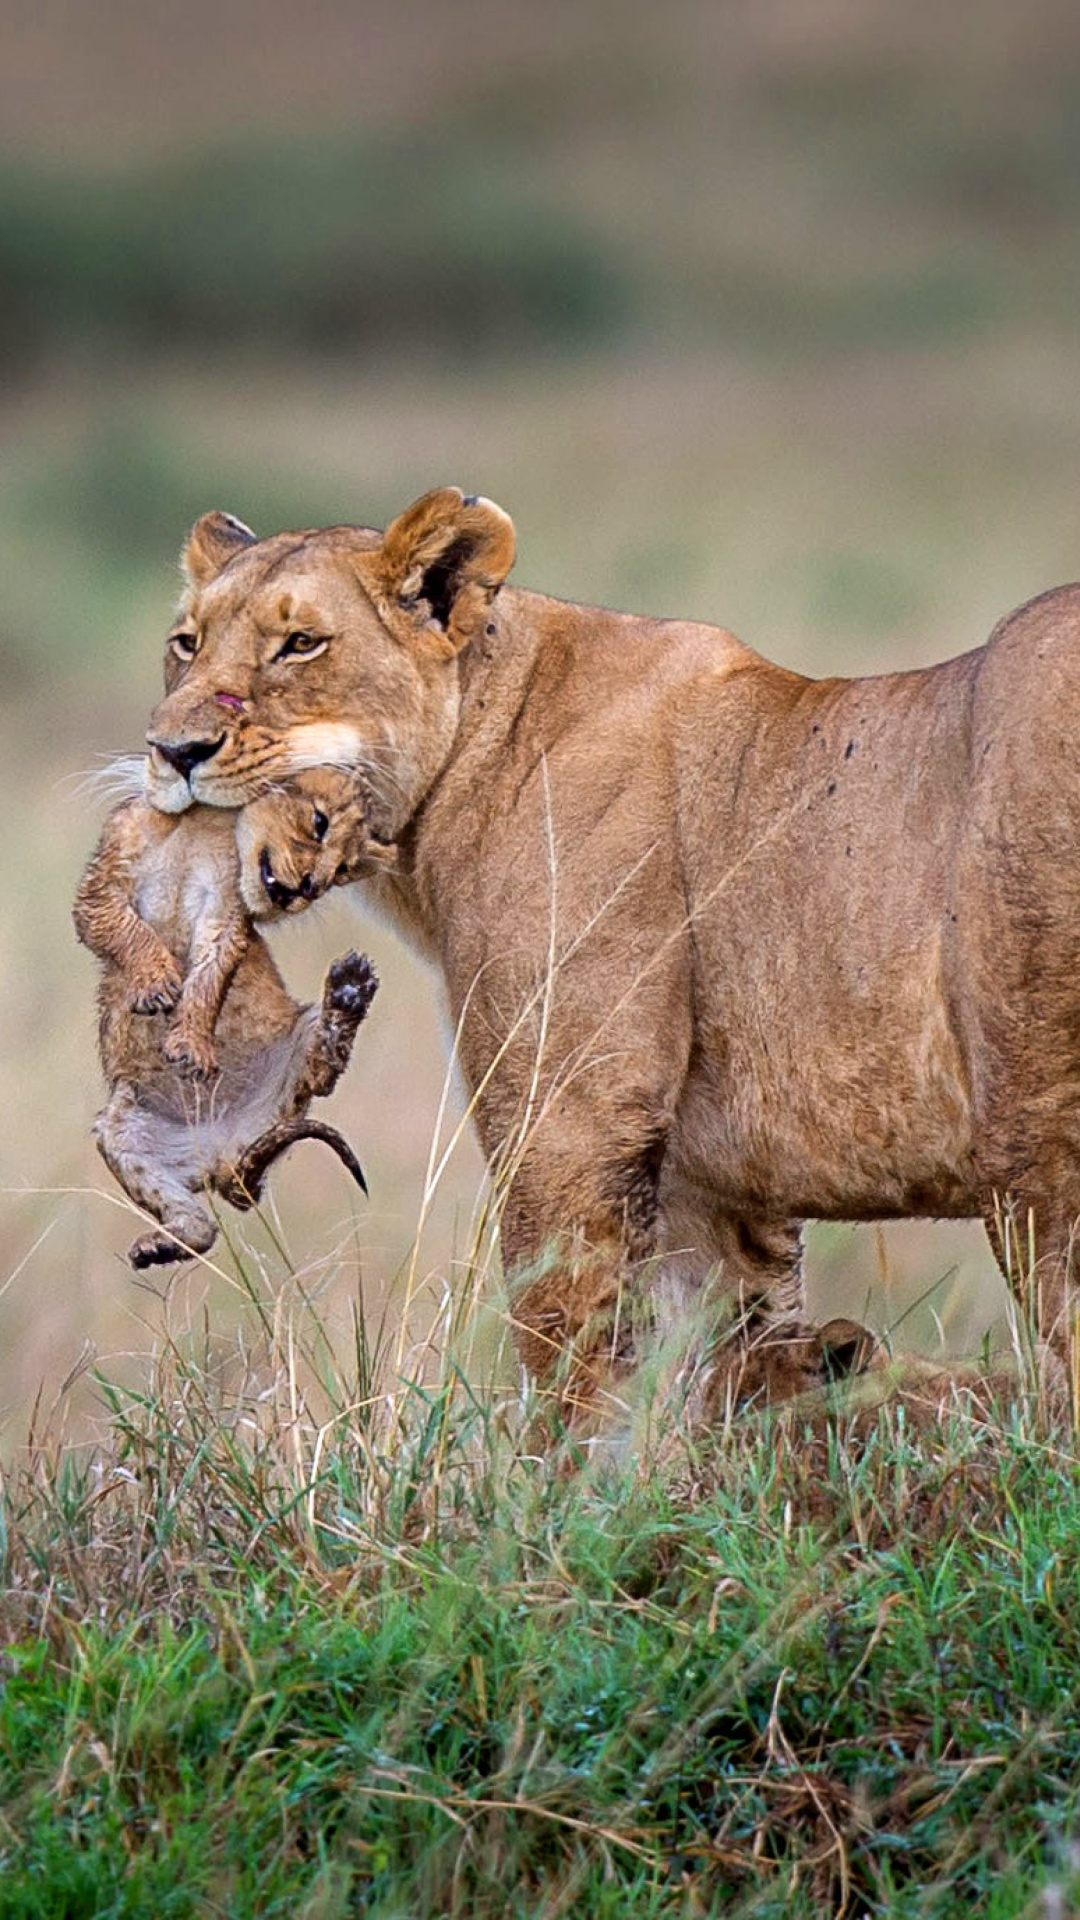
{"x": 728, "y": 948}
{"x": 211, "y": 1064}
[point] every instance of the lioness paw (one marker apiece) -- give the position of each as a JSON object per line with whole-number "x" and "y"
{"x": 190, "y": 1052}
{"x": 351, "y": 985}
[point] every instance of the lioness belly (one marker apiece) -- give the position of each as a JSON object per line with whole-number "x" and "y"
{"x": 794, "y": 1121}
{"x": 829, "y": 1077}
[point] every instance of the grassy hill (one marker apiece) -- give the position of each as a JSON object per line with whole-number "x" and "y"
{"x": 360, "y": 1646}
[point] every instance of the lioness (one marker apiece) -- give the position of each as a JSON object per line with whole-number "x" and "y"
{"x": 189, "y": 991}
{"x": 728, "y": 948}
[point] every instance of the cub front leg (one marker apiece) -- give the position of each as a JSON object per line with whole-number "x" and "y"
{"x": 107, "y": 923}
{"x": 189, "y": 1042}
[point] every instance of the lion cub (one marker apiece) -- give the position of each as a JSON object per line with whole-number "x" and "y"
{"x": 211, "y": 1063}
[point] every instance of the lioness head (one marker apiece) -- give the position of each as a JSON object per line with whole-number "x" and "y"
{"x": 297, "y": 841}
{"x": 335, "y": 646}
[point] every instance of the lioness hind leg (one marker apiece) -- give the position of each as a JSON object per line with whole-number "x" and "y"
{"x": 127, "y": 1142}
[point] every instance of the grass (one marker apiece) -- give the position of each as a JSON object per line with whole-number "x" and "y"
{"x": 311, "y": 1639}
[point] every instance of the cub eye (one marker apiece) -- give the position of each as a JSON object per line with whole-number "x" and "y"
{"x": 320, "y": 825}
{"x": 184, "y": 645}
{"x": 300, "y": 644}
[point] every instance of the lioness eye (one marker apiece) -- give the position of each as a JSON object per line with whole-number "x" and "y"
{"x": 320, "y": 825}
{"x": 300, "y": 643}
{"x": 184, "y": 645}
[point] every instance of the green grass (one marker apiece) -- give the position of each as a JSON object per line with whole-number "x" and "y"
{"x": 392, "y": 1657}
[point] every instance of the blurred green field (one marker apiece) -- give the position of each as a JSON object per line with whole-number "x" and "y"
{"x": 769, "y": 319}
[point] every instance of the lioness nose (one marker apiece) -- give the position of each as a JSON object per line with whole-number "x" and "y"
{"x": 187, "y": 754}
{"x": 306, "y": 888}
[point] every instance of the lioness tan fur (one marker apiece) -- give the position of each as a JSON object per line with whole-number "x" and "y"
{"x": 210, "y": 1062}
{"x": 728, "y": 948}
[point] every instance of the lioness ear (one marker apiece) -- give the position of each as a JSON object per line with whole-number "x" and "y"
{"x": 211, "y": 544}
{"x": 442, "y": 562}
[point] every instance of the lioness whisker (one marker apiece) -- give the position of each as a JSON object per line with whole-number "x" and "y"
{"x": 120, "y": 776}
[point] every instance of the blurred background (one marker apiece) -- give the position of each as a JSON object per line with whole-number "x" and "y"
{"x": 766, "y": 315}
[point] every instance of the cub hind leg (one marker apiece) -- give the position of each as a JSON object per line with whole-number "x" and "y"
{"x": 140, "y": 1150}
{"x": 348, "y": 991}
{"x": 322, "y": 1043}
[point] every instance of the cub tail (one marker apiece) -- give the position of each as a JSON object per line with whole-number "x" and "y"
{"x": 242, "y": 1184}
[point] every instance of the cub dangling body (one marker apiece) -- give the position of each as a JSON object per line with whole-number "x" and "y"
{"x": 211, "y": 1063}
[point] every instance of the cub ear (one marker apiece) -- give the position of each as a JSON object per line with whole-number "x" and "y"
{"x": 211, "y": 544}
{"x": 441, "y": 564}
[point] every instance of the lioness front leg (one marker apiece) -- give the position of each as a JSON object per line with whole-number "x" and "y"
{"x": 575, "y": 1236}
{"x": 741, "y": 1280}
{"x": 189, "y": 1043}
{"x": 775, "y": 1351}
{"x": 771, "y": 1351}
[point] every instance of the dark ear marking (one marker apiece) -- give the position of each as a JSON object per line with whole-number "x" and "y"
{"x": 439, "y": 584}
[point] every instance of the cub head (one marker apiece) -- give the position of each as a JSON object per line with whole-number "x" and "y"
{"x": 298, "y": 840}
{"x": 337, "y": 647}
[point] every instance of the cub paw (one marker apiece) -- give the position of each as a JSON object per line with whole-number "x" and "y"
{"x": 190, "y": 1053}
{"x": 155, "y": 992}
{"x": 156, "y": 1250}
{"x": 351, "y": 985}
